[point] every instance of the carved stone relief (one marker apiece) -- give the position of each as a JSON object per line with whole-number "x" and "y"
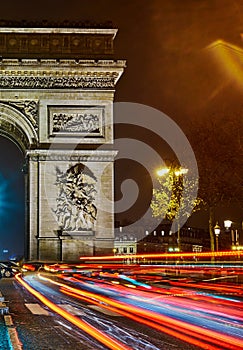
{"x": 73, "y": 121}
{"x": 28, "y": 107}
{"x": 51, "y": 82}
{"x": 75, "y": 209}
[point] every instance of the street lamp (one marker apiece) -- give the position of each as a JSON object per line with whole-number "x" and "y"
{"x": 217, "y": 233}
{"x": 227, "y": 224}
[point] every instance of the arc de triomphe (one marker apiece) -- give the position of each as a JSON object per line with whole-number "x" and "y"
{"x": 57, "y": 89}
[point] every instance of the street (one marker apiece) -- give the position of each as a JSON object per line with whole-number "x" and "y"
{"x": 74, "y": 311}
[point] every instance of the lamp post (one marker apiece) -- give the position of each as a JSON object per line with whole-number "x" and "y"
{"x": 217, "y": 233}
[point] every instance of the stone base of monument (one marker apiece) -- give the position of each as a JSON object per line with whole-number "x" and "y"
{"x": 76, "y": 244}
{"x": 76, "y": 234}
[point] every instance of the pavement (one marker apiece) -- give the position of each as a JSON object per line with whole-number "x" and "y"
{"x": 8, "y": 334}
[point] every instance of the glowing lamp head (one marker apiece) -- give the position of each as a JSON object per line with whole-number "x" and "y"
{"x": 227, "y": 224}
{"x": 217, "y": 229}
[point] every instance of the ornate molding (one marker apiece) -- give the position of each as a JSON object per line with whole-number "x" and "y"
{"x": 7, "y": 128}
{"x": 56, "y": 24}
{"x": 62, "y": 62}
{"x": 28, "y": 107}
{"x": 51, "y": 82}
{"x": 63, "y": 73}
{"x": 56, "y": 42}
{"x": 72, "y": 158}
{"x": 75, "y": 156}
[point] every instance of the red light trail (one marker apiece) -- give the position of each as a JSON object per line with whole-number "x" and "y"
{"x": 84, "y": 326}
{"x": 165, "y": 255}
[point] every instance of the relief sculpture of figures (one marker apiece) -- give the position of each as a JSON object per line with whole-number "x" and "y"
{"x": 75, "y": 209}
{"x": 75, "y": 122}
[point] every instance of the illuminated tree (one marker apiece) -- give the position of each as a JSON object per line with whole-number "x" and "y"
{"x": 172, "y": 198}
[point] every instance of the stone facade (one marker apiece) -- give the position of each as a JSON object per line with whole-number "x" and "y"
{"x": 59, "y": 111}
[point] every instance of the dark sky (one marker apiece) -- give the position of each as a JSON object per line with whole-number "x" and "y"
{"x": 166, "y": 45}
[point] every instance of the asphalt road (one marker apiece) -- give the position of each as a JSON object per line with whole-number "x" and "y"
{"x": 39, "y": 328}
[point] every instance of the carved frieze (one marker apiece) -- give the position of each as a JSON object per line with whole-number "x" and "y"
{"x": 72, "y": 158}
{"x": 69, "y": 44}
{"x": 75, "y": 208}
{"x": 54, "y": 82}
{"x": 77, "y": 122}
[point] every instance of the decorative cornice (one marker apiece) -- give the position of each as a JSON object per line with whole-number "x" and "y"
{"x": 72, "y": 156}
{"x": 59, "y": 63}
{"x": 51, "y": 74}
{"x": 53, "y": 42}
{"x": 38, "y": 82}
{"x": 52, "y": 24}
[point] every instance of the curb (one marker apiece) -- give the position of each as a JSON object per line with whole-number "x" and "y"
{"x": 15, "y": 343}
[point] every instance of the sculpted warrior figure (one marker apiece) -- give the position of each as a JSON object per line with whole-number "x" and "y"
{"x": 75, "y": 209}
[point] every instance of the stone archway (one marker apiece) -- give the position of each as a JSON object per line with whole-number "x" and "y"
{"x": 57, "y": 106}
{"x": 18, "y": 121}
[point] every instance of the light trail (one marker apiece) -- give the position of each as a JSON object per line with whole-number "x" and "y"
{"x": 84, "y": 326}
{"x": 180, "y": 329}
{"x": 164, "y": 255}
{"x": 158, "y": 321}
{"x": 148, "y": 323}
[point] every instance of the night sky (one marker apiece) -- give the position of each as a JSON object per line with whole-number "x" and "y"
{"x": 170, "y": 67}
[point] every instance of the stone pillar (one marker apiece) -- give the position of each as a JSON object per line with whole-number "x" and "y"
{"x": 71, "y": 205}
{"x": 33, "y": 208}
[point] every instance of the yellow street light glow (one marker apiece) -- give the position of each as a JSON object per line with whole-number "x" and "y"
{"x": 217, "y": 229}
{"x": 162, "y": 171}
{"x": 181, "y": 171}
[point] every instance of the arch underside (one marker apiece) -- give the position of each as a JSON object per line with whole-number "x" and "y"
{"x": 15, "y": 134}
{"x": 16, "y": 127}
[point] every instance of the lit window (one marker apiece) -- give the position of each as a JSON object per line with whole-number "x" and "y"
{"x": 162, "y": 233}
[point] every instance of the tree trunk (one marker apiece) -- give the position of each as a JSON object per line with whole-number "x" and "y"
{"x": 179, "y": 237}
{"x": 211, "y": 227}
